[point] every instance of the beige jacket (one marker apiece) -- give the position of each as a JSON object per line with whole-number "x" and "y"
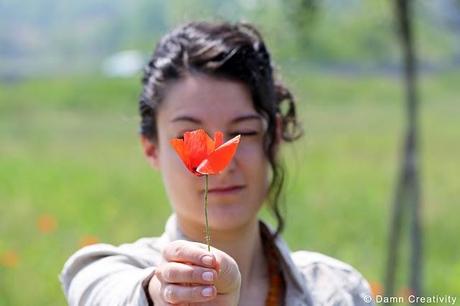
{"x": 103, "y": 274}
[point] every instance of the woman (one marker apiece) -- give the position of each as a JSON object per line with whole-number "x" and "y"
{"x": 217, "y": 77}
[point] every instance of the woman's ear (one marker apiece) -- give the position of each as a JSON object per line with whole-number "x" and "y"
{"x": 150, "y": 152}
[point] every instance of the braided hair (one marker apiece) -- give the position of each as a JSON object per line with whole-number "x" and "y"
{"x": 230, "y": 51}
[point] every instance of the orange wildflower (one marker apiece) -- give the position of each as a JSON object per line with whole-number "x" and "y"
{"x": 405, "y": 292}
{"x": 46, "y": 223}
{"x": 203, "y": 155}
{"x": 88, "y": 240}
{"x": 9, "y": 259}
{"x": 376, "y": 288}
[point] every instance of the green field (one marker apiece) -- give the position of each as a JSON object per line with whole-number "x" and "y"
{"x": 69, "y": 150}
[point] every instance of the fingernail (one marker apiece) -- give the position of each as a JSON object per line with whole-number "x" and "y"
{"x": 207, "y": 291}
{"x": 207, "y": 276}
{"x": 207, "y": 260}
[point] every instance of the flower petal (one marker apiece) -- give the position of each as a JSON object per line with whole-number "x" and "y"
{"x": 179, "y": 146}
{"x": 220, "y": 158}
{"x": 218, "y": 139}
{"x": 197, "y": 143}
{"x": 210, "y": 144}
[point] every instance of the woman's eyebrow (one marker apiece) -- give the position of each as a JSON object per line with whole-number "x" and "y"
{"x": 246, "y": 117}
{"x": 186, "y": 118}
{"x": 234, "y": 120}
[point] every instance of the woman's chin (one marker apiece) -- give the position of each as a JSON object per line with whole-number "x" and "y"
{"x": 229, "y": 217}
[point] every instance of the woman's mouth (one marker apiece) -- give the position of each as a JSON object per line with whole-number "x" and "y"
{"x": 226, "y": 190}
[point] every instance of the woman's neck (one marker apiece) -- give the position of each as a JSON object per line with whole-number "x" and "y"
{"x": 243, "y": 244}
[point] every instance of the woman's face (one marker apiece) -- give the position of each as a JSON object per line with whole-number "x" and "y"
{"x": 213, "y": 105}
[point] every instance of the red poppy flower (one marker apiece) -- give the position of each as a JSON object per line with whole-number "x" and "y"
{"x": 203, "y": 155}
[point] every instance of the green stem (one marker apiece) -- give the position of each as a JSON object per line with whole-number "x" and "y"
{"x": 208, "y": 236}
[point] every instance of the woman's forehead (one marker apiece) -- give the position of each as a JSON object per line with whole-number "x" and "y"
{"x": 204, "y": 97}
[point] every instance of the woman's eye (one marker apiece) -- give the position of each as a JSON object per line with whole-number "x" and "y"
{"x": 244, "y": 134}
{"x": 231, "y": 135}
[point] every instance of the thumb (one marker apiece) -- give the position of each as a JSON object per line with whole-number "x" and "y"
{"x": 228, "y": 273}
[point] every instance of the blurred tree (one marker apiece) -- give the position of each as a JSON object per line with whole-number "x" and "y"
{"x": 302, "y": 14}
{"x": 407, "y": 194}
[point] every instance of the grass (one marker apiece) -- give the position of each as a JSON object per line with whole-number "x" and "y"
{"x": 69, "y": 150}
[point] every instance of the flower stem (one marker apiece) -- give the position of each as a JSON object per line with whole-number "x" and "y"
{"x": 208, "y": 236}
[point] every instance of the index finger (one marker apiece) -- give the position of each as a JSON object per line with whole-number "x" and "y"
{"x": 189, "y": 252}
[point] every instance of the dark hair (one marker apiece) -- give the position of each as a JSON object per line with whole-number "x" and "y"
{"x": 231, "y": 51}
